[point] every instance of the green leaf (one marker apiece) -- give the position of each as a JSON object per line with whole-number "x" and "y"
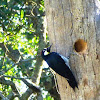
{"x": 16, "y": 15}
{"x": 22, "y": 14}
{"x": 31, "y": 25}
{"x": 8, "y": 38}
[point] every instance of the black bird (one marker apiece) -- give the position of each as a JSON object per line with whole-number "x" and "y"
{"x": 60, "y": 65}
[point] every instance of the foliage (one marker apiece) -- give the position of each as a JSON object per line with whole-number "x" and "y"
{"x": 21, "y": 39}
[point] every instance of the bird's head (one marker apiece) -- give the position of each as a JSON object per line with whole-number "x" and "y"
{"x": 46, "y": 51}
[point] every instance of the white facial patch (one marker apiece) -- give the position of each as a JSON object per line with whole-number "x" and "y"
{"x": 46, "y": 53}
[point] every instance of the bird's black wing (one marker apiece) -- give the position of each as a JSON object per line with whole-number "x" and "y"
{"x": 56, "y": 62}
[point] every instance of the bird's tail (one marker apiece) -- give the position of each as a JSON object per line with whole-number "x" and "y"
{"x": 73, "y": 84}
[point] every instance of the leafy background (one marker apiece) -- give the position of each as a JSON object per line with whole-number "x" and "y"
{"x": 22, "y": 37}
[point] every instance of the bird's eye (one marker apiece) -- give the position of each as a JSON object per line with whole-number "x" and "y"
{"x": 44, "y": 50}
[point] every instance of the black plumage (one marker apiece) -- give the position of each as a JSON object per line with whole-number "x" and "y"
{"x": 58, "y": 64}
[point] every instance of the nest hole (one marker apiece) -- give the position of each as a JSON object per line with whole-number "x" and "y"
{"x": 80, "y": 46}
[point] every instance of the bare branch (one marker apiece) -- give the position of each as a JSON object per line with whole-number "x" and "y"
{"x": 29, "y": 92}
{"x": 20, "y": 78}
{"x": 11, "y": 96}
{"x": 25, "y": 60}
{"x": 34, "y": 88}
{"x": 26, "y": 95}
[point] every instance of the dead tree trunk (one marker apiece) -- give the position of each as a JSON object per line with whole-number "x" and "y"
{"x": 70, "y": 23}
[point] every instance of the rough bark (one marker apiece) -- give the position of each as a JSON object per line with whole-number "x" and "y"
{"x": 68, "y": 21}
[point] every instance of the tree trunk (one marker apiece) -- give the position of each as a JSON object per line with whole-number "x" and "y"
{"x": 68, "y": 21}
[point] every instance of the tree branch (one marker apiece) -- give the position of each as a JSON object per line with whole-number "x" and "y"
{"x": 8, "y": 82}
{"x": 4, "y": 71}
{"x": 13, "y": 54}
{"x": 12, "y": 95}
{"x": 37, "y": 73}
{"x": 34, "y": 88}
{"x": 26, "y": 95}
{"x": 2, "y": 96}
{"x": 20, "y": 78}
{"x": 20, "y": 62}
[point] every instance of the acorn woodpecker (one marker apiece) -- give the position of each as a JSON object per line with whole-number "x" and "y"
{"x": 60, "y": 65}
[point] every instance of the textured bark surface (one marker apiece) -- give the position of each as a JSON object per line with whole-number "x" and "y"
{"x": 68, "y": 21}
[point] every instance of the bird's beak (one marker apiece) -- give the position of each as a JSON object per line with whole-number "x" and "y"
{"x": 48, "y": 49}
{"x": 50, "y": 46}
